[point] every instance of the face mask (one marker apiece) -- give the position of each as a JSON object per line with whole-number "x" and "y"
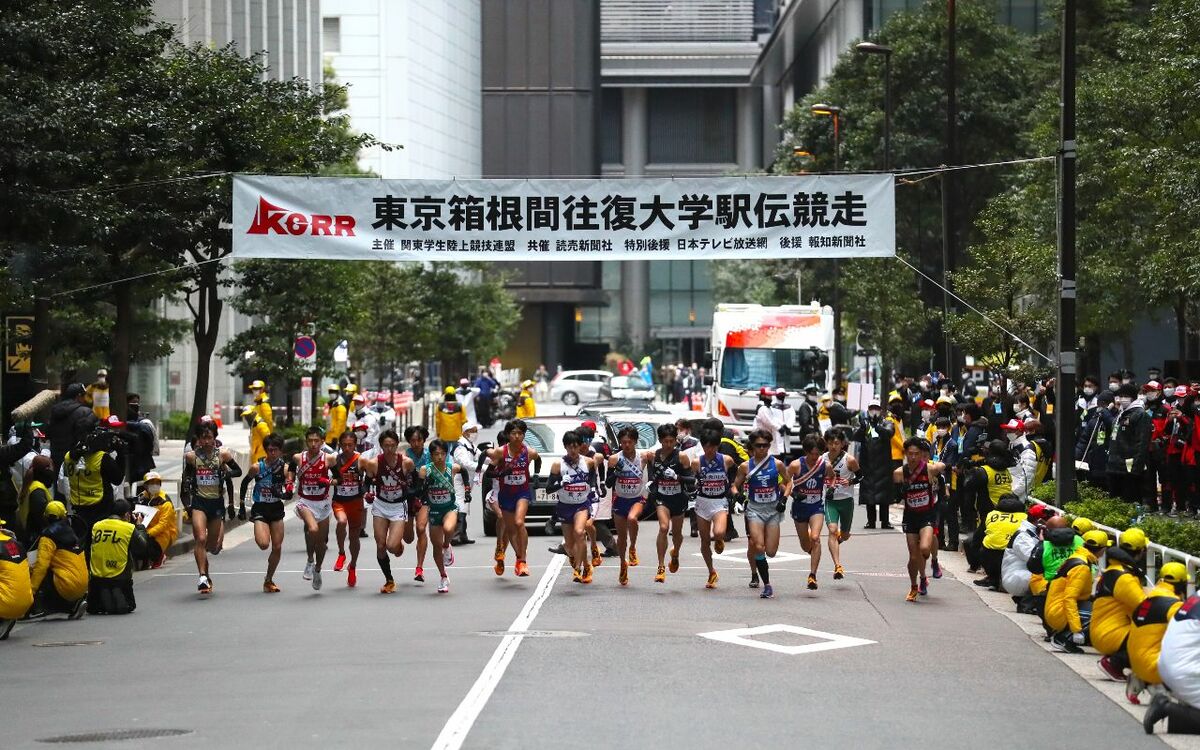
{"x": 926, "y": 415}
{"x": 925, "y": 384}
{"x": 962, "y": 419}
{"x": 874, "y": 413}
{"x": 840, "y": 399}
{"x": 1013, "y": 437}
{"x": 966, "y": 375}
{"x": 942, "y": 433}
{"x": 1113, "y": 385}
{"x": 1089, "y": 392}
{"x": 811, "y": 398}
{"x": 1124, "y": 401}
{"x": 153, "y": 489}
{"x": 1152, "y": 395}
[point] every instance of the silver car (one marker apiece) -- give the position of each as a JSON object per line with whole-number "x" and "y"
{"x": 573, "y": 386}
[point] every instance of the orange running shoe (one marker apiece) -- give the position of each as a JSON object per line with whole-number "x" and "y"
{"x": 597, "y": 560}
{"x": 712, "y": 580}
{"x": 633, "y": 558}
{"x": 269, "y": 587}
{"x": 719, "y": 545}
{"x": 674, "y": 566}
{"x": 388, "y": 587}
{"x": 587, "y": 574}
{"x": 661, "y": 575}
{"x": 521, "y": 569}
{"x": 913, "y": 593}
{"x": 838, "y": 573}
{"x": 576, "y": 576}
{"x": 623, "y": 579}
{"x": 499, "y": 566}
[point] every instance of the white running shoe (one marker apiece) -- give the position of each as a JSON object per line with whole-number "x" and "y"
{"x": 447, "y": 556}
{"x": 316, "y": 579}
{"x": 444, "y": 586}
{"x": 308, "y": 571}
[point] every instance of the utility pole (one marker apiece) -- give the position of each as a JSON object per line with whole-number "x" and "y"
{"x": 1064, "y": 387}
{"x": 948, "y": 180}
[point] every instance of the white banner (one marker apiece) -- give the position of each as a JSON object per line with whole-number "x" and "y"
{"x": 306, "y": 397}
{"x": 808, "y": 216}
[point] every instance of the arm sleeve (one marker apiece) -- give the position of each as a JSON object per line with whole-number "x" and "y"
{"x": 553, "y": 483}
{"x": 46, "y": 550}
{"x": 232, "y": 469}
{"x": 687, "y": 478}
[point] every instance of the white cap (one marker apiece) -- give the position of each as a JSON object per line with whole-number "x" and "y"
{"x": 471, "y": 426}
{"x": 874, "y": 402}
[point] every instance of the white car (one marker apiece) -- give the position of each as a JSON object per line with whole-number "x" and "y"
{"x": 574, "y": 386}
{"x": 627, "y": 387}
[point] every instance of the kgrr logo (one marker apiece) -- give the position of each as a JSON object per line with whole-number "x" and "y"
{"x": 272, "y": 219}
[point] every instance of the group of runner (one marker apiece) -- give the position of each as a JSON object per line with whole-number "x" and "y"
{"x": 415, "y": 493}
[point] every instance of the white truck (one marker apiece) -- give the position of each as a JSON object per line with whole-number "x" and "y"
{"x": 788, "y": 347}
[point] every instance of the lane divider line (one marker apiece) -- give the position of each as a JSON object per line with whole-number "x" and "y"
{"x": 454, "y": 733}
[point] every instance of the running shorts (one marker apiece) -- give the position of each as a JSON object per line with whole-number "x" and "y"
{"x": 212, "y": 508}
{"x": 763, "y": 513}
{"x": 566, "y": 511}
{"x": 321, "y": 510}
{"x": 508, "y": 503}
{"x": 353, "y": 509}
{"x": 266, "y": 512}
{"x": 437, "y": 513}
{"x": 623, "y": 505}
{"x": 801, "y": 512}
{"x": 708, "y": 507}
{"x": 840, "y": 512}
{"x": 677, "y": 504}
{"x": 397, "y": 511}
{"x": 912, "y": 523}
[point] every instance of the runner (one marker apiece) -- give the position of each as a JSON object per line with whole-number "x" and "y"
{"x": 626, "y": 477}
{"x": 439, "y": 510}
{"x": 765, "y": 504}
{"x": 918, "y": 480}
{"x": 272, "y": 486}
{"x": 513, "y": 461}
{"x": 348, "y": 510}
{"x": 573, "y": 477}
{"x": 211, "y": 467}
{"x": 671, "y": 481}
{"x": 313, "y": 505}
{"x": 392, "y": 475}
{"x": 485, "y": 476}
{"x": 808, "y": 477}
{"x": 416, "y": 435}
{"x": 843, "y": 471}
{"x": 712, "y": 500}
{"x": 598, "y": 531}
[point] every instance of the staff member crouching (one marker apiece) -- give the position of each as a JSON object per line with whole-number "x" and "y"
{"x": 59, "y": 578}
{"x": 116, "y": 545}
{"x": 16, "y": 596}
{"x": 161, "y": 527}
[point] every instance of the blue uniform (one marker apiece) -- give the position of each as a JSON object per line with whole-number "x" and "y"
{"x": 809, "y": 495}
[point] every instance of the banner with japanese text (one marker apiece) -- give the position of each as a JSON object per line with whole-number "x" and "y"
{"x": 330, "y": 218}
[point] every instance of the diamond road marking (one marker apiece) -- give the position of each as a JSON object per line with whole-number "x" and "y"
{"x": 829, "y": 641}
{"x": 739, "y": 555}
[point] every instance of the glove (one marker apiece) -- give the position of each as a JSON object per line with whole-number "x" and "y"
{"x": 1078, "y": 639}
{"x": 669, "y": 474}
{"x": 781, "y": 506}
{"x": 601, "y": 492}
{"x": 369, "y": 497}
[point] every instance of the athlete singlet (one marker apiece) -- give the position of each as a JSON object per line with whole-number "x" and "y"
{"x": 764, "y": 482}
{"x": 667, "y": 489}
{"x": 712, "y": 487}
{"x": 811, "y": 491}
{"x": 627, "y": 488}
{"x": 349, "y": 479}
{"x": 392, "y": 483}
{"x": 918, "y": 490}
{"x": 268, "y": 485}
{"x": 439, "y": 492}
{"x": 314, "y": 479}
{"x": 208, "y": 475}
{"x": 514, "y": 480}
{"x": 576, "y": 490}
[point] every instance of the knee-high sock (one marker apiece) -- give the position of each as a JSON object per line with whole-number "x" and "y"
{"x": 385, "y": 565}
{"x": 764, "y": 571}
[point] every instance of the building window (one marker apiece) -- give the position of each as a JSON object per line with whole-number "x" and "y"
{"x": 611, "y": 102}
{"x": 331, "y": 33}
{"x": 692, "y": 126}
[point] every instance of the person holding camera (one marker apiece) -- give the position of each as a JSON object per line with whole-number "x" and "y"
{"x": 766, "y": 500}
{"x": 117, "y": 544}
{"x": 92, "y": 468}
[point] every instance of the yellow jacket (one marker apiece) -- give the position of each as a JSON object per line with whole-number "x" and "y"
{"x": 526, "y": 407}
{"x": 898, "y": 438}
{"x": 262, "y": 407}
{"x": 1072, "y": 584}
{"x": 162, "y": 528}
{"x": 98, "y": 397}
{"x": 16, "y": 595}
{"x": 59, "y": 553}
{"x": 1149, "y": 624}
{"x": 1118, "y": 594}
{"x": 337, "y": 422}
{"x": 1000, "y": 528}
{"x": 449, "y": 420}
{"x": 258, "y": 432}
{"x": 111, "y": 539}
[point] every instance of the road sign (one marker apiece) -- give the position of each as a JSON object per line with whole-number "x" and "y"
{"x": 823, "y": 641}
{"x": 305, "y": 347}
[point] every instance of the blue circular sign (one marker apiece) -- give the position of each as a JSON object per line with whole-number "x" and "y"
{"x": 305, "y": 347}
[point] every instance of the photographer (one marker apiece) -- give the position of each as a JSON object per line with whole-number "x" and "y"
{"x": 92, "y": 468}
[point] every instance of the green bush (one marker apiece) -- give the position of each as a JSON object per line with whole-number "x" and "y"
{"x": 1176, "y": 534}
{"x": 1099, "y": 506}
{"x": 175, "y": 425}
{"x": 1107, "y": 511}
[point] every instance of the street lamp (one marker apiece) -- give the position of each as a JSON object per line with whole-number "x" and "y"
{"x": 871, "y": 48}
{"x": 828, "y": 110}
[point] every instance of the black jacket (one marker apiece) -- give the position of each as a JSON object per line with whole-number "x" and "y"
{"x": 70, "y": 422}
{"x": 1092, "y": 440}
{"x": 876, "y": 461}
{"x": 1130, "y": 440}
{"x": 838, "y": 413}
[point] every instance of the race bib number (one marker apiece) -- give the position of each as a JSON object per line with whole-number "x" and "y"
{"x": 312, "y": 490}
{"x": 763, "y": 495}
{"x": 439, "y": 496}
{"x": 347, "y": 490}
{"x": 669, "y": 487}
{"x": 207, "y": 477}
{"x": 575, "y": 493}
{"x": 629, "y": 487}
{"x": 514, "y": 480}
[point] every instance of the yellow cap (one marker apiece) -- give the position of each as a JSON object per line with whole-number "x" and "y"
{"x": 1082, "y": 525}
{"x": 527, "y": 384}
{"x": 55, "y": 509}
{"x": 258, "y": 384}
{"x": 152, "y": 476}
{"x": 1173, "y": 572}
{"x": 352, "y": 388}
{"x": 449, "y": 391}
{"x": 1134, "y": 540}
{"x": 895, "y": 396}
{"x": 1096, "y": 539}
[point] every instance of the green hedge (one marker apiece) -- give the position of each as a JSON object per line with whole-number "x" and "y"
{"x": 175, "y": 425}
{"x": 1099, "y": 506}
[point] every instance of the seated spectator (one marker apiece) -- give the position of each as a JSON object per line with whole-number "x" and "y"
{"x": 1069, "y": 596}
{"x": 1118, "y": 594}
{"x": 59, "y": 578}
{"x": 1014, "y": 565}
{"x": 1179, "y": 667}
{"x": 16, "y": 595}
{"x": 1149, "y": 625}
{"x": 116, "y": 546}
{"x": 161, "y": 528}
{"x": 1000, "y": 526}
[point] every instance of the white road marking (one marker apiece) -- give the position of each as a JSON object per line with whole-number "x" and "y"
{"x": 454, "y": 733}
{"x": 829, "y": 641}
{"x": 739, "y": 556}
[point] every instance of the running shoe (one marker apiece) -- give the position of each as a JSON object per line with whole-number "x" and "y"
{"x": 623, "y": 579}
{"x": 341, "y": 563}
{"x": 308, "y": 571}
{"x": 754, "y": 581}
{"x": 499, "y": 554}
{"x": 34, "y": 614}
{"x": 444, "y": 586}
{"x": 388, "y": 587}
{"x": 936, "y": 568}
{"x": 204, "y": 586}
{"x": 719, "y": 545}
{"x": 587, "y": 574}
{"x": 561, "y": 549}
{"x": 674, "y": 564}
{"x": 912, "y": 594}
{"x": 447, "y": 556}
{"x": 812, "y": 582}
{"x": 316, "y": 580}
{"x": 419, "y": 575}
{"x": 838, "y": 572}
{"x": 633, "y": 558}
{"x": 522, "y": 569}
{"x": 269, "y": 587}
{"x": 498, "y": 568}
{"x": 1133, "y": 689}
{"x": 241, "y": 512}
{"x": 1110, "y": 669}
{"x": 661, "y": 575}
{"x": 767, "y": 592}
{"x": 597, "y": 560}
{"x": 923, "y": 586}
{"x": 79, "y": 610}
{"x": 576, "y": 576}
{"x": 351, "y": 577}
{"x": 712, "y": 580}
